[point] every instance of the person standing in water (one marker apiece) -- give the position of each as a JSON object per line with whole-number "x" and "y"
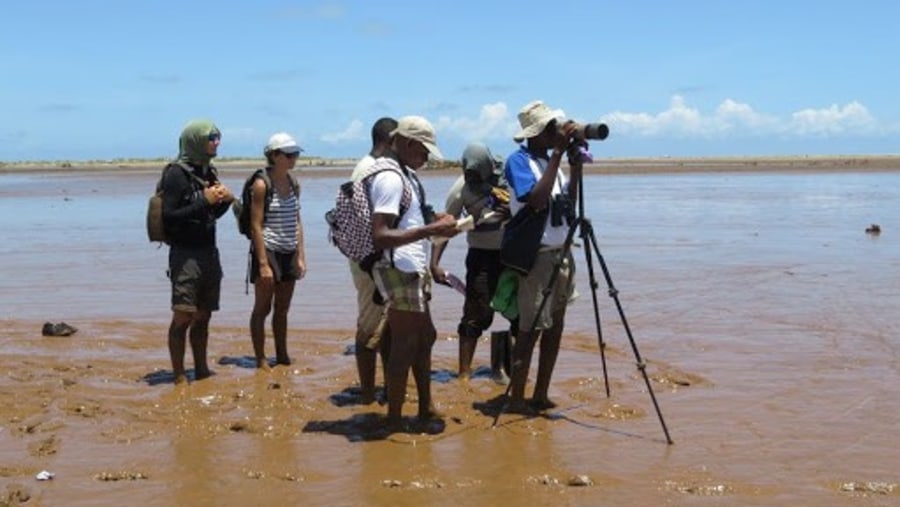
{"x": 193, "y": 199}
{"x": 277, "y": 254}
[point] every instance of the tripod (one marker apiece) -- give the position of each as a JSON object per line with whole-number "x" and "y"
{"x": 591, "y": 248}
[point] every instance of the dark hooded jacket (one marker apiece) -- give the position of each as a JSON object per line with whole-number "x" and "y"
{"x": 189, "y": 219}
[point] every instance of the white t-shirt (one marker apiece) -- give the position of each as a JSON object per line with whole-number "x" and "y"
{"x": 386, "y": 192}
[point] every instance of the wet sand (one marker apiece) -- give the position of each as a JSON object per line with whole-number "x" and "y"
{"x": 766, "y": 316}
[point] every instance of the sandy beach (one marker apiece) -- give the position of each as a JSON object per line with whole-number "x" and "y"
{"x": 765, "y": 313}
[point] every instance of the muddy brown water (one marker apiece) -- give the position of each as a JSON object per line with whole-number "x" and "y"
{"x": 766, "y": 315}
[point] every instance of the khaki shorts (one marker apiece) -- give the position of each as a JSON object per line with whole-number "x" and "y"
{"x": 401, "y": 290}
{"x": 531, "y": 287}
{"x": 368, "y": 313}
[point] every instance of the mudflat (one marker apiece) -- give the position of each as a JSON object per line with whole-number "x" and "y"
{"x": 765, "y": 314}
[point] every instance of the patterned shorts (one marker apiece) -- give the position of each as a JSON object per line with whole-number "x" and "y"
{"x": 401, "y": 290}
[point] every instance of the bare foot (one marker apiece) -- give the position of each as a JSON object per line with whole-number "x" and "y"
{"x": 542, "y": 404}
{"x": 263, "y": 364}
{"x": 367, "y": 397}
{"x": 518, "y": 407}
{"x": 500, "y": 378}
{"x": 284, "y": 360}
{"x": 202, "y": 373}
{"x": 181, "y": 379}
{"x": 395, "y": 425}
{"x": 430, "y": 413}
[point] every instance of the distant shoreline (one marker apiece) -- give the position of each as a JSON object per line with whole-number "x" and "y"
{"x": 637, "y": 165}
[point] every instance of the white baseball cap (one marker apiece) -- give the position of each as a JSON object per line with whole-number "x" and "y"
{"x": 418, "y": 129}
{"x": 282, "y": 142}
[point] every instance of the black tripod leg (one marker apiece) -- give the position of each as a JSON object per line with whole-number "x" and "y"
{"x": 587, "y": 237}
{"x": 614, "y": 293}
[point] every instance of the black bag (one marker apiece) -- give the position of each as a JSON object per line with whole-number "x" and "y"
{"x": 522, "y": 239}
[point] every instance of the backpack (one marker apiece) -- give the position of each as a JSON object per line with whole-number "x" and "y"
{"x": 242, "y": 208}
{"x": 156, "y": 231}
{"x": 350, "y": 221}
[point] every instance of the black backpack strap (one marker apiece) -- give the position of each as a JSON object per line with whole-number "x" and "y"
{"x": 190, "y": 172}
{"x": 419, "y": 188}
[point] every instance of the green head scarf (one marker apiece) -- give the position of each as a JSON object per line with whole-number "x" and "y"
{"x": 194, "y": 140}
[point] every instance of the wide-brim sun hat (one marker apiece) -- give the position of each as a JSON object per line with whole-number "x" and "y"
{"x": 419, "y": 129}
{"x": 282, "y": 142}
{"x": 533, "y": 119}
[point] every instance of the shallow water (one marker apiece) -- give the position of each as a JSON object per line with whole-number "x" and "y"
{"x": 766, "y": 315}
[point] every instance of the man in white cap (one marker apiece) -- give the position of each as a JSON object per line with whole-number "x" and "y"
{"x": 537, "y": 181}
{"x": 402, "y": 274}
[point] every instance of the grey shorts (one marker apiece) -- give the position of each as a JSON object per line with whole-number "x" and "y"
{"x": 196, "y": 277}
{"x": 531, "y": 288}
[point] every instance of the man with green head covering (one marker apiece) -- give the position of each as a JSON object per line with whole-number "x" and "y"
{"x": 193, "y": 199}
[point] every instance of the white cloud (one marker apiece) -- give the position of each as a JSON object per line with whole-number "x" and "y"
{"x": 736, "y": 119}
{"x": 853, "y": 118}
{"x": 731, "y": 119}
{"x": 493, "y": 121}
{"x": 353, "y": 132}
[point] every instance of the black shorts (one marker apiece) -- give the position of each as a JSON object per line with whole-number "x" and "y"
{"x": 284, "y": 266}
{"x": 196, "y": 277}
{"x": 482, "y": 273}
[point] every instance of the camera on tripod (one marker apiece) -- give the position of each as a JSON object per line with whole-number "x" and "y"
{"x": 578, "y": 146}
{"x": 598, "y": 131}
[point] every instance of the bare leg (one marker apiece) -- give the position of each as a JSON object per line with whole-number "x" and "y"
{"x": 365, "y": 366}
{"x": 262, "y": 305}
{"x": 522, "y": 353}
{"x": 422, "y": 367}
{"x": 384, "y": 348}
{"x": 284, "y": 292}
{"x": 177, "y": 338}
{"x": 550, "y": 340}
{"x": 199, "y": 339}
{"x": 404, "y": 334}
{"x": 467, "y": 346}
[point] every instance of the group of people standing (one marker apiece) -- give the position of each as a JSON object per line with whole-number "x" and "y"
{"x": 393, "y": 295}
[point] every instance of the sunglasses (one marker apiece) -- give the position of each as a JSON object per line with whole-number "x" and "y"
{"x": 290, "y": 155}
{"x": 214, "y": 137}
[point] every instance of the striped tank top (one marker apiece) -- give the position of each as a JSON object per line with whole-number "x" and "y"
{"x": 280, "y": 224}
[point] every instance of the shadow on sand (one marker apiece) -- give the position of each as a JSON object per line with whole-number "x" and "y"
{"x": 371, "y": 426}
{"x": 157, "y": 377}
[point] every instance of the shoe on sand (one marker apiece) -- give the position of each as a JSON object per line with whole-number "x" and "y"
{"x": 58, "y": 329}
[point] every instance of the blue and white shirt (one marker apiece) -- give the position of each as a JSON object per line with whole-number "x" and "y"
{"x": 523, "y": 172}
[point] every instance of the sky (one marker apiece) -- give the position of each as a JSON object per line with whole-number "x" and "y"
{"x": 99, "y": 80}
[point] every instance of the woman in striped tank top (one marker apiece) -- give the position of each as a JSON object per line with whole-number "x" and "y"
{"x": 278, "y": 258}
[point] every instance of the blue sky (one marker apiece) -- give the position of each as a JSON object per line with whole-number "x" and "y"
{"x": 92, "y": 79}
